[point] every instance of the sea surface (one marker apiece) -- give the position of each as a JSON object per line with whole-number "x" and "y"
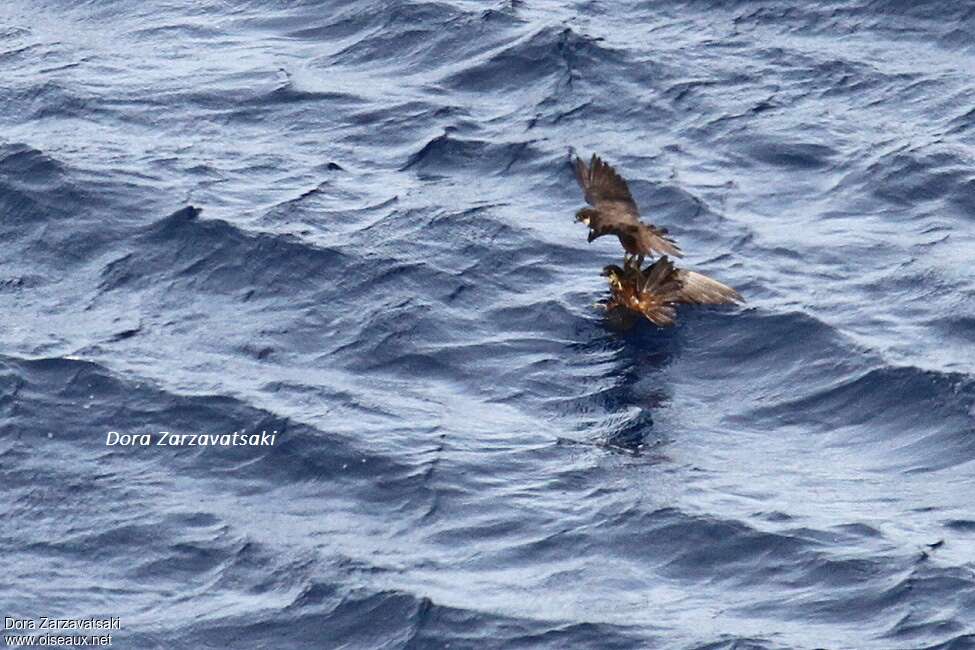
{"x": 351, "y": 223}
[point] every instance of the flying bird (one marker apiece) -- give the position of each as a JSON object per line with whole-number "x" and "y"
{"x": 655, "y": 290}
{"x": 614, "y": 212}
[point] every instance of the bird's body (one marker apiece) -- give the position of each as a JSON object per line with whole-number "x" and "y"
{"x": 653, "y": 296}
{"x": 614, "y": 212}
{"x": 655, "y": 290}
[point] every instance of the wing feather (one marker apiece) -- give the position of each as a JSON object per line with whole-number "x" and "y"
{"x": 600, "y": 183}
{"x": 661, "y": 279}
{"x": 699, "y": 289}
{"x": 661, "y": 315}
{"x": 582, "y": 177}
{"x": 606, "y": 185}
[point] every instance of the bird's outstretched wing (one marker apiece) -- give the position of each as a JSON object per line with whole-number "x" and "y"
{"x": 689, "y": 287}
{"x": 656, "y": 290}
{"x": 600, "y": 183}
{"x": 617, "y": 213}
{"x": 699, "y": 289}
{"x": 667, "y": 286}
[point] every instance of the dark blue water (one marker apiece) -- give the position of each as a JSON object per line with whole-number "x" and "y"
{"x": 352, "y": 223}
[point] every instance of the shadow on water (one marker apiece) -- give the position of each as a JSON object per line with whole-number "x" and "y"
{"x": 641, "y": 354}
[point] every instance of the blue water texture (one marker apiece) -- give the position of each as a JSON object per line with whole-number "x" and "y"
{"x": 352, "y": 223}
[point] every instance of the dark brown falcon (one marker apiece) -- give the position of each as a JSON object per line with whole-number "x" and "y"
{"x": 614, "y": 212}
{"x": 655, "y": 290}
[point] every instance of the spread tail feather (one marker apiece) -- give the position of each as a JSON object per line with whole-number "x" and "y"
{"x": 653, "y": 240}
{"x": 661, "y": 315}
{"x": 661, "y": 281}
{"x": 661, "y": 278}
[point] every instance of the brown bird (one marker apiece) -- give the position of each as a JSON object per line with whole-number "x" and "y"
{"x": 614, "y": 212}
{"x": 655, "y": 290}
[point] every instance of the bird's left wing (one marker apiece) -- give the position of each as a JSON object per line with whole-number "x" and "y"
{"x": 699, "y": 289}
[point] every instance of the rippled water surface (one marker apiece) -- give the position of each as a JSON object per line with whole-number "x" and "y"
{"x": 351, "y": 223}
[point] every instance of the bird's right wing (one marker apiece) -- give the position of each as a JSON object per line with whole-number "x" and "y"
{"x": 600, "y": 183}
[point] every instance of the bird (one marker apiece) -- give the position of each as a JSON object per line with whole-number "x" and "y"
{"x": 655, "y": 290}
{"x": 614, "y": 212}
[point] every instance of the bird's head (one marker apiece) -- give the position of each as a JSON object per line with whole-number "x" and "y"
{"x": 614, "y": 275}
{"x": 584, "y": 215}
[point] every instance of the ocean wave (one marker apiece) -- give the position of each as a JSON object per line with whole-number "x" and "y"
{"x": 353, "y": 225}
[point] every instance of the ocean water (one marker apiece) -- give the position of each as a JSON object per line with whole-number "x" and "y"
{"x": 351, "y": 223}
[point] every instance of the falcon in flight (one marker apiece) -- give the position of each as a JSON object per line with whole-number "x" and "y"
{"x": 614, "y": 212}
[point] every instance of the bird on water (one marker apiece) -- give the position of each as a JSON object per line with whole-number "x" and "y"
{"x": 654, "y": 291}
